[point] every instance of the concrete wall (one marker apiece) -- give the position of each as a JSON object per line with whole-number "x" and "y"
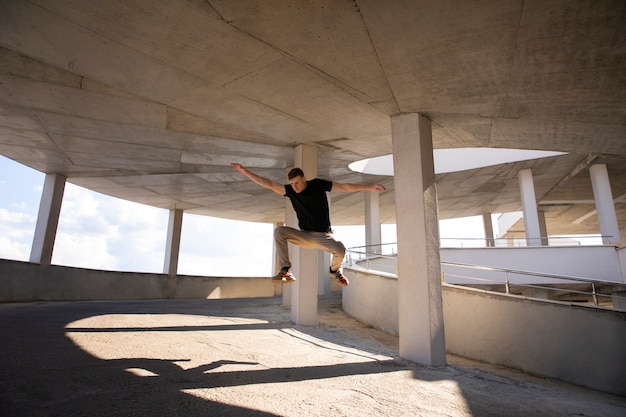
{"x": 23, "y": 281}
{"x": 575, "y": 344}
{"x": 372, "y": 297}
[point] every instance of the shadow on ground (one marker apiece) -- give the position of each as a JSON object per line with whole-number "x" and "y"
{"x": 243, "y": 358}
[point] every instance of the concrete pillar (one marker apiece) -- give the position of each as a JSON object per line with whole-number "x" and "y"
{"x": 278, "y": 289}
{"x": 488, "y": 226}
{"x": 605, "y": 206}
{"x": 291, "y": 220}
{"x": 541, "y": 293}
{"x": 543, "y": 227}
{"x": 305, "y": 261}
{"x": 47, "y": 219}
{"x": 323, "y": 263}
{"x": 372, "y": 222}
{"x": 172, "y": 244}
{"x": 529, "y": 207}
{"x": 420, "y": 306}
{"x": 618, "y": 299}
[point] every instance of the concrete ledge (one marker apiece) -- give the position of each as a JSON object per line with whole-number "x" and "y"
{"x": 571, "y": 343}
{"x": 24, "y": 281}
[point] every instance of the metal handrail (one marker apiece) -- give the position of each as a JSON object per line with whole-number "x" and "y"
{"x": 528, "y": 273}
{"x": 594, "y": 294}
{"x": 552, "y": 241}
{"x": 367, "y": 255}
{"x": 500, "y": 242}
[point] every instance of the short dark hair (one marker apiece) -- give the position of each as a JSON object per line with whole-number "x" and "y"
{"x": 295, "y": 172}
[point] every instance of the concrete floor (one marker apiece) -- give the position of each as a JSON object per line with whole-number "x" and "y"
{"x": 244, "y": 357}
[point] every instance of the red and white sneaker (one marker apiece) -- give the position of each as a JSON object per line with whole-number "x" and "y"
{"x": 284, "y": 277}
{"x": 337, "y": 276}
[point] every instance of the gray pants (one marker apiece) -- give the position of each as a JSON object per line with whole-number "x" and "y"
{"x": 307, "y": 240}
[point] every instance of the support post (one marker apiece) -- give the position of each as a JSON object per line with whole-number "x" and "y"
{"x": 305, "y": 261}
{"x": 323, "y": 265}
{"x": 172, "y": 244}
{"x": 323, "y": 262}
{"x": 291, "y": 220}
{"x": 372, "y": 222}
{"x": 543, "y": 227}
{"x": 420, "y": 305}
{"x": 529, "y": 207}
{"x": 47, "y": 219}
{"x": 278, "y": 289}
{"x": 605, "y": 206}
{"x": 488, "y": 226}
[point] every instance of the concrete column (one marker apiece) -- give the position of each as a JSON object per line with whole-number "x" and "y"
{"x": 488, "y": 226}
{"x": 529, "y": 207}
{"x": 305, "y": 261}
{"x": 291, "y": 220}
{"x": 47, "y": 219}
{"x": 541, "y": 293}
{"x": 278, "y": 289}
{"x": 543, "y": 227}
{"x": 323, "y": 263}
{"x": 372, "y": 221}
{"x": 605, "y": 206}
{"x": 420, "y": 306}
{"x": 172, "y": 244}
{"x": 618, "y": 299}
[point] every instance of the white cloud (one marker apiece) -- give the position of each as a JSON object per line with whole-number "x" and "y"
{"x": 15, "y": 224}
{"x": 97, "y": 231}
{"x": 11, "y": 249}
{"x": 211, "y": 246}
{"x": 16, "y": 234}
{"x": 83, "y": 251}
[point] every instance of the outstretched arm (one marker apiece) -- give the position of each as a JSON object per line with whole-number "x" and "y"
{"x": 350, "y": 188}
{"x": 262, "y": 181}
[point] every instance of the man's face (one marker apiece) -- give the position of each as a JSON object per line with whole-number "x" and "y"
{"x": 298, "y": 184}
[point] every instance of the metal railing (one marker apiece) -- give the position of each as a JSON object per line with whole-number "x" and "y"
{"x": 567, "y": 288}
{"x": 368, "y": 253}
{"x": 518, "y": 242}
{"x": 502, "y": 280}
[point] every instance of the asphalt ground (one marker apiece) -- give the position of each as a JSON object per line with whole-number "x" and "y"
{"x": 244, "y": 357}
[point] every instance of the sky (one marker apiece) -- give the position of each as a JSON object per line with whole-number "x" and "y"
{"x": 96, "y": 231}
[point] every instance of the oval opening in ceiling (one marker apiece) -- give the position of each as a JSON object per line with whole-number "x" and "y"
{"x": 454, "y": 160}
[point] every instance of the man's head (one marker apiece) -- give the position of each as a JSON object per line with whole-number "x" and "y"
{"x": 297, "y": 180}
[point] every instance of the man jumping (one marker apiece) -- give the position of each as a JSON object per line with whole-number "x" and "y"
{"x": 309, "y": 201}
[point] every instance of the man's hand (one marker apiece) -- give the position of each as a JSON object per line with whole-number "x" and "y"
{"x": 379, "y": 188}
{"x": 237, "y": 166}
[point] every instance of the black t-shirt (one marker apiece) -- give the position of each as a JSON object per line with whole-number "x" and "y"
{"x": 311, "y": 205}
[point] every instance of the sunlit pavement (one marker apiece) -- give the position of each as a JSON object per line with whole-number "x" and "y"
{"x": 244, "y": 357}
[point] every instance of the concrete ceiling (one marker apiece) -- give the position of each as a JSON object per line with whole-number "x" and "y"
{"x": 150, "y": 100}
